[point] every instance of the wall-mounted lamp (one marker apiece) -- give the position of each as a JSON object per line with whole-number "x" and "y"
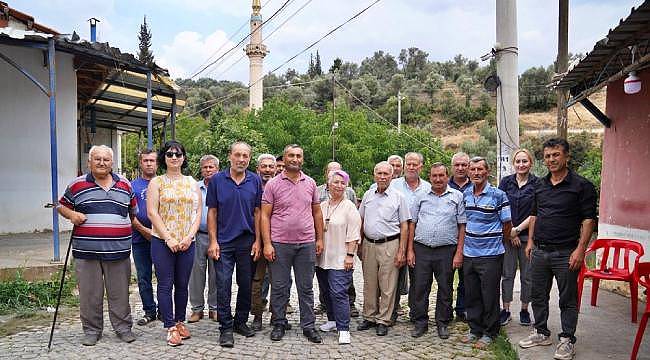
{"x": 632, "y": 83}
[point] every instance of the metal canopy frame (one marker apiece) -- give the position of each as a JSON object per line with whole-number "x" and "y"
{"x": 625, "y": 48}
{"x": 113, "y": 81}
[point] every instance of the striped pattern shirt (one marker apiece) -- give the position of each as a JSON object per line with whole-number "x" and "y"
{"x": 486, "y": 214}
{"x": 106, "y": 234}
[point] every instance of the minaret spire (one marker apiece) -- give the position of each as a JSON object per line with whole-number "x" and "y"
{"x": 256, "y": 52}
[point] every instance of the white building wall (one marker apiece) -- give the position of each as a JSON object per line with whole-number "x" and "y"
{"x": 25, "y": 139}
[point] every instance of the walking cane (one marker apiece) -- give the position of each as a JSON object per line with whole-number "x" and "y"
{"x": 58, "y": 300}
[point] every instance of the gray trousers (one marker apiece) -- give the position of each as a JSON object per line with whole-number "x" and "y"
{"x": 93, "y": 276}
{"x": 516, "y": 256}
{"x": 302, "y": 257}
{"x": 197, "y": 278}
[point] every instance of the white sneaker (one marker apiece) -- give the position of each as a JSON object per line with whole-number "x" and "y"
{"x": 565, "y": 349}
{"x": 344, "y": 337}
{"x": 534, "y": 339}
{"x": 328, "y": 326}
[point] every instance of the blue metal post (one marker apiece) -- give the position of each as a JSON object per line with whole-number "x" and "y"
{"x": 93, "y": 29}
{"x": 53, "y": 148}
{"x": 149, "y": 115}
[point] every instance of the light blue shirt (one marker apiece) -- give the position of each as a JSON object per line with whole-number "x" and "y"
{"x": 204, "y": 213}
{"x": 437, "y": 217}
{"x": 402, "y": 186}
{"x": 382, "y": 213}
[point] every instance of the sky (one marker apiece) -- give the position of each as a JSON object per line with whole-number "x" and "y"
{"x": 187, "y": 33}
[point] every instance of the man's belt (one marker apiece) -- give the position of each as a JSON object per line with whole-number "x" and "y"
{"x": 557, "y": 247}
{"x": 383, "y": 240}
{"x": 203, "y": 232}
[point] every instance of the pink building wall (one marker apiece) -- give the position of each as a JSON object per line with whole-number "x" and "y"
{"x": 625, "y": 180}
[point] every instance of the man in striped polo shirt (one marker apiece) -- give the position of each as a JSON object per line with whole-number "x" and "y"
{"x": 488, "y": 226}
{"x": 101, "y": 205}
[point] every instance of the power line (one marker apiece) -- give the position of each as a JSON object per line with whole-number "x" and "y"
{"x": 264, "y": 39}
{"x": 295, "y": 56}
{"x": 229, "y": 39}
{"x": 242, "y": 40}
{"x": 234, "y": 92}
{"x": 439, "y": 152}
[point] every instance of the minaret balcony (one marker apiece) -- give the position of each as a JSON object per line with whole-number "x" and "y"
{"x": 256, "y": 50}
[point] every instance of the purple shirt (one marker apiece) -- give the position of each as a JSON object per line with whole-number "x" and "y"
{"x": 139, "y": 186}
{"x": 292, "y": 221}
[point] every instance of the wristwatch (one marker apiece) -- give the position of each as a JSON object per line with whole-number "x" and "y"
{"x": 351, "y": 254}
{"x": 517, "y": 230}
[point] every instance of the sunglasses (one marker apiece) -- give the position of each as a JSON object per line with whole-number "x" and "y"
{"x": 171, "y": 154}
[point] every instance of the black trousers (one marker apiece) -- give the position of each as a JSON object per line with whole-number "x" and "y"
{"x": 433, "y": 262}
{"x": 482, "y": 288}
{"x": 543, "y": 267}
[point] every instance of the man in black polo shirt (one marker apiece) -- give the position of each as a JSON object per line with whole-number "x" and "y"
{"x": 562, "y": 222}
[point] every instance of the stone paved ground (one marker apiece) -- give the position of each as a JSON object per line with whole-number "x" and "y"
{"x": 203, "y": 344}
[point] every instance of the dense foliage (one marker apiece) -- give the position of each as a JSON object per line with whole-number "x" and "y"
{"x": 359, "y": 142}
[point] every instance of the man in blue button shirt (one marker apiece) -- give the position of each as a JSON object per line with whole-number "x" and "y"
{"x": 234, "y": 201}
{"x": 209, "y": 166}
{"x": 488, "y": 226}
{"x": 142, "y": 235}
{"x": 435, "y": 248}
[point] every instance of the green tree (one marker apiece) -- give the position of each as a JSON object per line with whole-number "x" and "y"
{"x": 336, "y": 66}
{"x": 434, "y": 83}
{"x": 145, "y": 54}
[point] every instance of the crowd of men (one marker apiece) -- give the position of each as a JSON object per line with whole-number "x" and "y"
{"x": 414, "y": 230}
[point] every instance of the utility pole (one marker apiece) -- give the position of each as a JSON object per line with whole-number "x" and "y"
{"x": 399, "y": 111}
{"x": 562, "y": 66}
{"x": 334, "y": 123}
{"x": 508, "y": 92}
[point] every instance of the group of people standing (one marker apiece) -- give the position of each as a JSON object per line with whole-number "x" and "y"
{"x": 279, "y": 220}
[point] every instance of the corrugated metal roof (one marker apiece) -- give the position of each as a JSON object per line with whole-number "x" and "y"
{"x": 612, "y": 55}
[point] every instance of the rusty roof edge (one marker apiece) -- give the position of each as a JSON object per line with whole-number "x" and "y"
{"x": 564, "y": 80}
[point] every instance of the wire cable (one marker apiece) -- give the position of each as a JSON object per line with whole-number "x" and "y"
{"x": 264, "y": 39}
{"x": 439, "y": 152}
{"x": 295, "y": 56}
{"x": 242, "y": 40}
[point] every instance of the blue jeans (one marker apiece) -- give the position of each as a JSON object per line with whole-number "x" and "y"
{"x": 172, "y": 271}
{"x": 236, "y": 253}
{"x": 143, "y": 264}
{"x": 335, "y": 284}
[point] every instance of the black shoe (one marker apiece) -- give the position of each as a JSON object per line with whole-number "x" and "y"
{"x": 443, "y": 332}
{"x": 147, "y": 318}
{"x": 460, "y": 317}
{"x": 277, "y": 333}
{"x": 226, "y": 339}
{"x": 419, "y": 331}
{"x": 257, "y": 323}
{"x": 382, "y": 330}
{"x": 244, "y": 330}
{"x": 365, "y": 325}
{"x": 320, "y": 309}
{"x": 312, "y": 335}
{"x": 353, "y": 311}
{"x": 126, "y": 336}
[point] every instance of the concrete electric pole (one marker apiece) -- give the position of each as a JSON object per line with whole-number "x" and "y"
{"x": 508, "y": 92}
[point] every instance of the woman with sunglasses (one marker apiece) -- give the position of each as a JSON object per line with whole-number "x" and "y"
{"x": 174, "y": 207}
{"x": 334, "y": 267}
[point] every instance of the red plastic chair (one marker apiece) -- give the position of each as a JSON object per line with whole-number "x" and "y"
{"x": 619, "y": 271}
{"x": 642, "y": 276}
